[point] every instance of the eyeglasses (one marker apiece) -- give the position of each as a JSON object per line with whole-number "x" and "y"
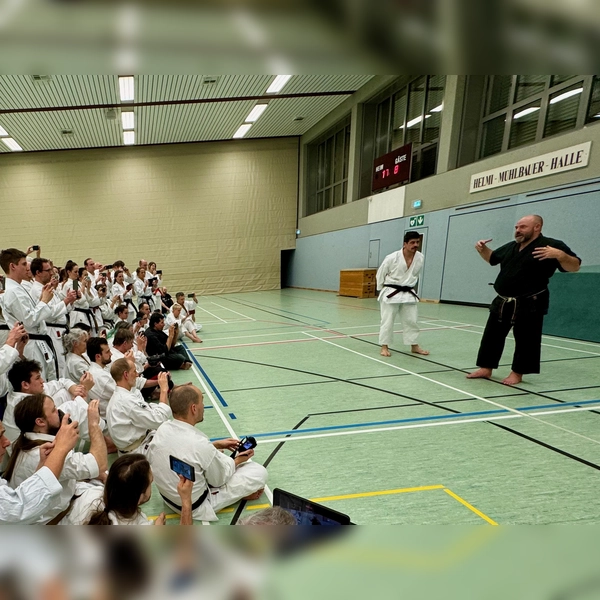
{"x": 47, "y": 270}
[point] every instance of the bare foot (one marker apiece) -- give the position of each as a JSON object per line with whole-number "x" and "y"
{"x": 385, "y": 351}
{"x": 513, "y": 379}
{"x": 255, "y": 496}
{"x": 482, "y": 373}
{"x": 186, "y": 365}
{"x": 416, "y": 349}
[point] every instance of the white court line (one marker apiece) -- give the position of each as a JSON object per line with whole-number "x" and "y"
{"x": 293, "y": 438}
{"x": 455, "y": 389}
{"x": 234, "y": 311}
{"x": 227, "y": 424}
{"x": 511, "y": 337}
{"x": 211, "y": 314}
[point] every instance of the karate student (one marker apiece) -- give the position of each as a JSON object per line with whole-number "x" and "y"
{"x": 396, "y": 278}
{"x": 131, "y": 420}
{"x": 38, "y": 493}
{"x": 19, "y": 306}
{"x": 220, "y": 479}
{"x": 188, "y": 308}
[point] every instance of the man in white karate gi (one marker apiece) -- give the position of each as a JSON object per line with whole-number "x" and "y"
{"x": 396, "y": 278}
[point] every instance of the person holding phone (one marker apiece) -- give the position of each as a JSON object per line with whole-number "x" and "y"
{"x": 188, "y": 307}
{"x": 230, "y": 479}
{"x": 78, "y": 282}
{"x": 124, "y": 291}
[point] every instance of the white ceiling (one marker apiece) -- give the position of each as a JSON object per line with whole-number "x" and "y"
{"x": 182, "y": 121}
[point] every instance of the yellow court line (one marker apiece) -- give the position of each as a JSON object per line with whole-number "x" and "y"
{"x": 470, "y": 507}
{"x": 381, "y": 493}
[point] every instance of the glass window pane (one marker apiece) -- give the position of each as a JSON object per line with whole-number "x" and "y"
{"x": 383, "y": 128}
{"x": 320, "y": 205}
{"x": 344, "y": 191}
{"x": 321, "y": 176}
{"x": 338, "y": 158}
{"x": 493, "y": 133}
{"x": 499, "y": 91}
{"x": 524, "y": 124}
{"x": 529, "y": 85}
{"x": 327, "y": 198}
{"x": 337, "y": 195}
{"x": 328, "y": 160}
{"x": 556, "y": 79}
{"x": 433, "y": 108}
{"x": 399, "y": 118}
{"x": 593, "y": 113}
{"x": 562, "y": 110}
{"x": 415, "y": 110}
{"x": 346, "y": 151}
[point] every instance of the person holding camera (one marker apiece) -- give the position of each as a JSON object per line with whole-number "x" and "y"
{"x": 173, "y": 357}
{"x": 219, "y": 479}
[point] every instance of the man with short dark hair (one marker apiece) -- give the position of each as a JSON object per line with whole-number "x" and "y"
{"x": 220, "y": 479}
{"x": 396, "y": 278}
{"x": 526, "y": 266}
{"x": 131, "y": 420}
{"x": 159, "y": 343}
{"x": 188, "y": 308}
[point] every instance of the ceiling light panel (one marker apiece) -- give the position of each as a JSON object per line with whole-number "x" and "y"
{"x": 128, "y": 119}
{"x": 242, "y": 130}
{"x": 278, "y": 84}
{"x": 126, "y": 89}
{"x": 255, "y": 113}
{"x": 11, "y": 144}
{"x": 129, "y": 138}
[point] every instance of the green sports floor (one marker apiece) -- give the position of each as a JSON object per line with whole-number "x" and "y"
{"x": 402, "y": 440}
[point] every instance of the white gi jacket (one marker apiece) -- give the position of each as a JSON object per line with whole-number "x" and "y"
{"x": 77, "y": 467}
{"x": 189, "y": 444}
{"x": 29, "y": 501}
{"x": 130, "y": 418}
{"x": 18, "y": 305}
{"x": 83, "y": 303}
{"x": 8, "y": 357}
{"x": 104, "y": 386}
{"x": 90, "y": 502}
{"x": 393, "y": 270}
{"x": 140, "y": 382}
{"x": 75, "y": 366}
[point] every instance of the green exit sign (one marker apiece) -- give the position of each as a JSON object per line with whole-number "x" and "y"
{"x": 417, "y": 221}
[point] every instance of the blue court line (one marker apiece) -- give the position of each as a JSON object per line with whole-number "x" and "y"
{"x": 232, "y": 416}
{"x": 419, "y": 419}
{"x": 208, "y": 379}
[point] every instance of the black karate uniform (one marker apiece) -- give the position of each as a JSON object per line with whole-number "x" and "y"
{"x": 522, "y": 301}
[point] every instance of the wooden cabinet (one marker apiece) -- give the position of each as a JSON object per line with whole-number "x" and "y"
{"x": 360, "y": 283}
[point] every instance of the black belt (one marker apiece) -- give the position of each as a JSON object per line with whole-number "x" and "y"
{"x": 4, "y": 327}
{"x": 46, "y": 338}
{"x": 90, "y": 316}
{"x": 195, "y": 505}
{"x": 517, "y": 300}
{"x": 401, "y": 288}
{"x": 58, "y": 325}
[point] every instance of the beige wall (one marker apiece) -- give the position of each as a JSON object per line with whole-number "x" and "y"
{"x": 214, "y": 216}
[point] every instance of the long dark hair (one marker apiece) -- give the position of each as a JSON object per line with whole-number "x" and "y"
{"x": 26, "y": 412}
{"x": 127, "y": 480}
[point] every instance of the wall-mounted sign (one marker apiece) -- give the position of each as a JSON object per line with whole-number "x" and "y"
{"x": 416, "y": 221}
{"x": 417, "y": 203}
{"x": 391, "y": 168}
{"x": 567, "y": 159}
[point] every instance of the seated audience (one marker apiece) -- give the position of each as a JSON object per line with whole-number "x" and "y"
{"x": 220, "y": 479}
{"x": 128, "y": 486}
{"x": 159, "y": 343}
{"x": 123, "y": 291}
{"x": 38, "y": 493}
{"x": 188, "y": 307}
{"x": 39, "y": 422}
{"x": 131, "y": 420}
{"x": 76, "y": 364}
{"x": 274, "y": 515}
{"x": 81, "y": 313}
{"x": 186, "y": 325}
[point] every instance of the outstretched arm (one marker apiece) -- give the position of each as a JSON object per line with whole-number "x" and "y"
{"x": 483, "y": 250}
{"x": 567, "y": 262}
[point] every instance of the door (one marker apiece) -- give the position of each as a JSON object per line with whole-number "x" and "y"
{"x": 373, "y": 254}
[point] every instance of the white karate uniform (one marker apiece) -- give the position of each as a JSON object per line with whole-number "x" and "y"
{"x": 76, "y": 366}
{"x": 20, "y": 306}
{"x": 30, "y": 500}
{"x": 126, "y": 297}
{"x": 104, "y": 386}
{"x": 393, "y": 270}
{"x": 77, "y": 468}
{"x": 92, "y": 501}
{"x": 131, "y": 419}
{"x": 188, "y": 306}
{"x": 4, "y": 330}
{"x": 83, "y": 303}
{"x": 59, "y": 318}
{"x": 142, "y": 291}
{"x": 211, "y": 466}
{"x": 184, "y": 325}
{"x": 140, "y": 382}
{"x": 8, "y": 357}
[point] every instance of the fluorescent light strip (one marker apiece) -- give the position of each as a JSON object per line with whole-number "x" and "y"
{"x": 255, "y": 113}
{"x": 126, "y": 89}
{"x": 566, "y": 95}
{"x": 128, "y": 119}
{"x": 242, "y": 130}
{"x": 3, "y": 132}
{"x": 527, "y": 111}
{"x": 129, "y": 138}
{"x": 437, "y": 108}
{"x": 278, "y": 83}
{"x": 11, "y": 144}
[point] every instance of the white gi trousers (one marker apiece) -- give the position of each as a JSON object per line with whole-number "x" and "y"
{"x": 408, "y": 315}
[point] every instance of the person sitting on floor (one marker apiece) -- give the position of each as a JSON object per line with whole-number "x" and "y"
{"x": 186, "y": 325}
{"x": 159, "y": 343}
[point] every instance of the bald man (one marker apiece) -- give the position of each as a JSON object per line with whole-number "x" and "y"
{"x": 526, "y": 266}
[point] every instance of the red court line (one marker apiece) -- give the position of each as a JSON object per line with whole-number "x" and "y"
{"x": 331, "y": 337}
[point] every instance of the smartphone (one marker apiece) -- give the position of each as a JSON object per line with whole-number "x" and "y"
{"x": 190, "y": 295}
{"x": 182, "y": 468}
{"x": 159, "y": 272}
{"x": 247, "y": 443}
{"x": 61, "y": 414}
{"x": 129, "y": 286}
{"x": 108, "y": 266}
{"x": 35, "y": 247}
{"x": 75, "y": 285}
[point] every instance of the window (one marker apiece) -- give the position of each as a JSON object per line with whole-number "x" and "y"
{"x": 327, "y": 173}
{"x": 523, "y": 109}
{"x": 412, "y": 114}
